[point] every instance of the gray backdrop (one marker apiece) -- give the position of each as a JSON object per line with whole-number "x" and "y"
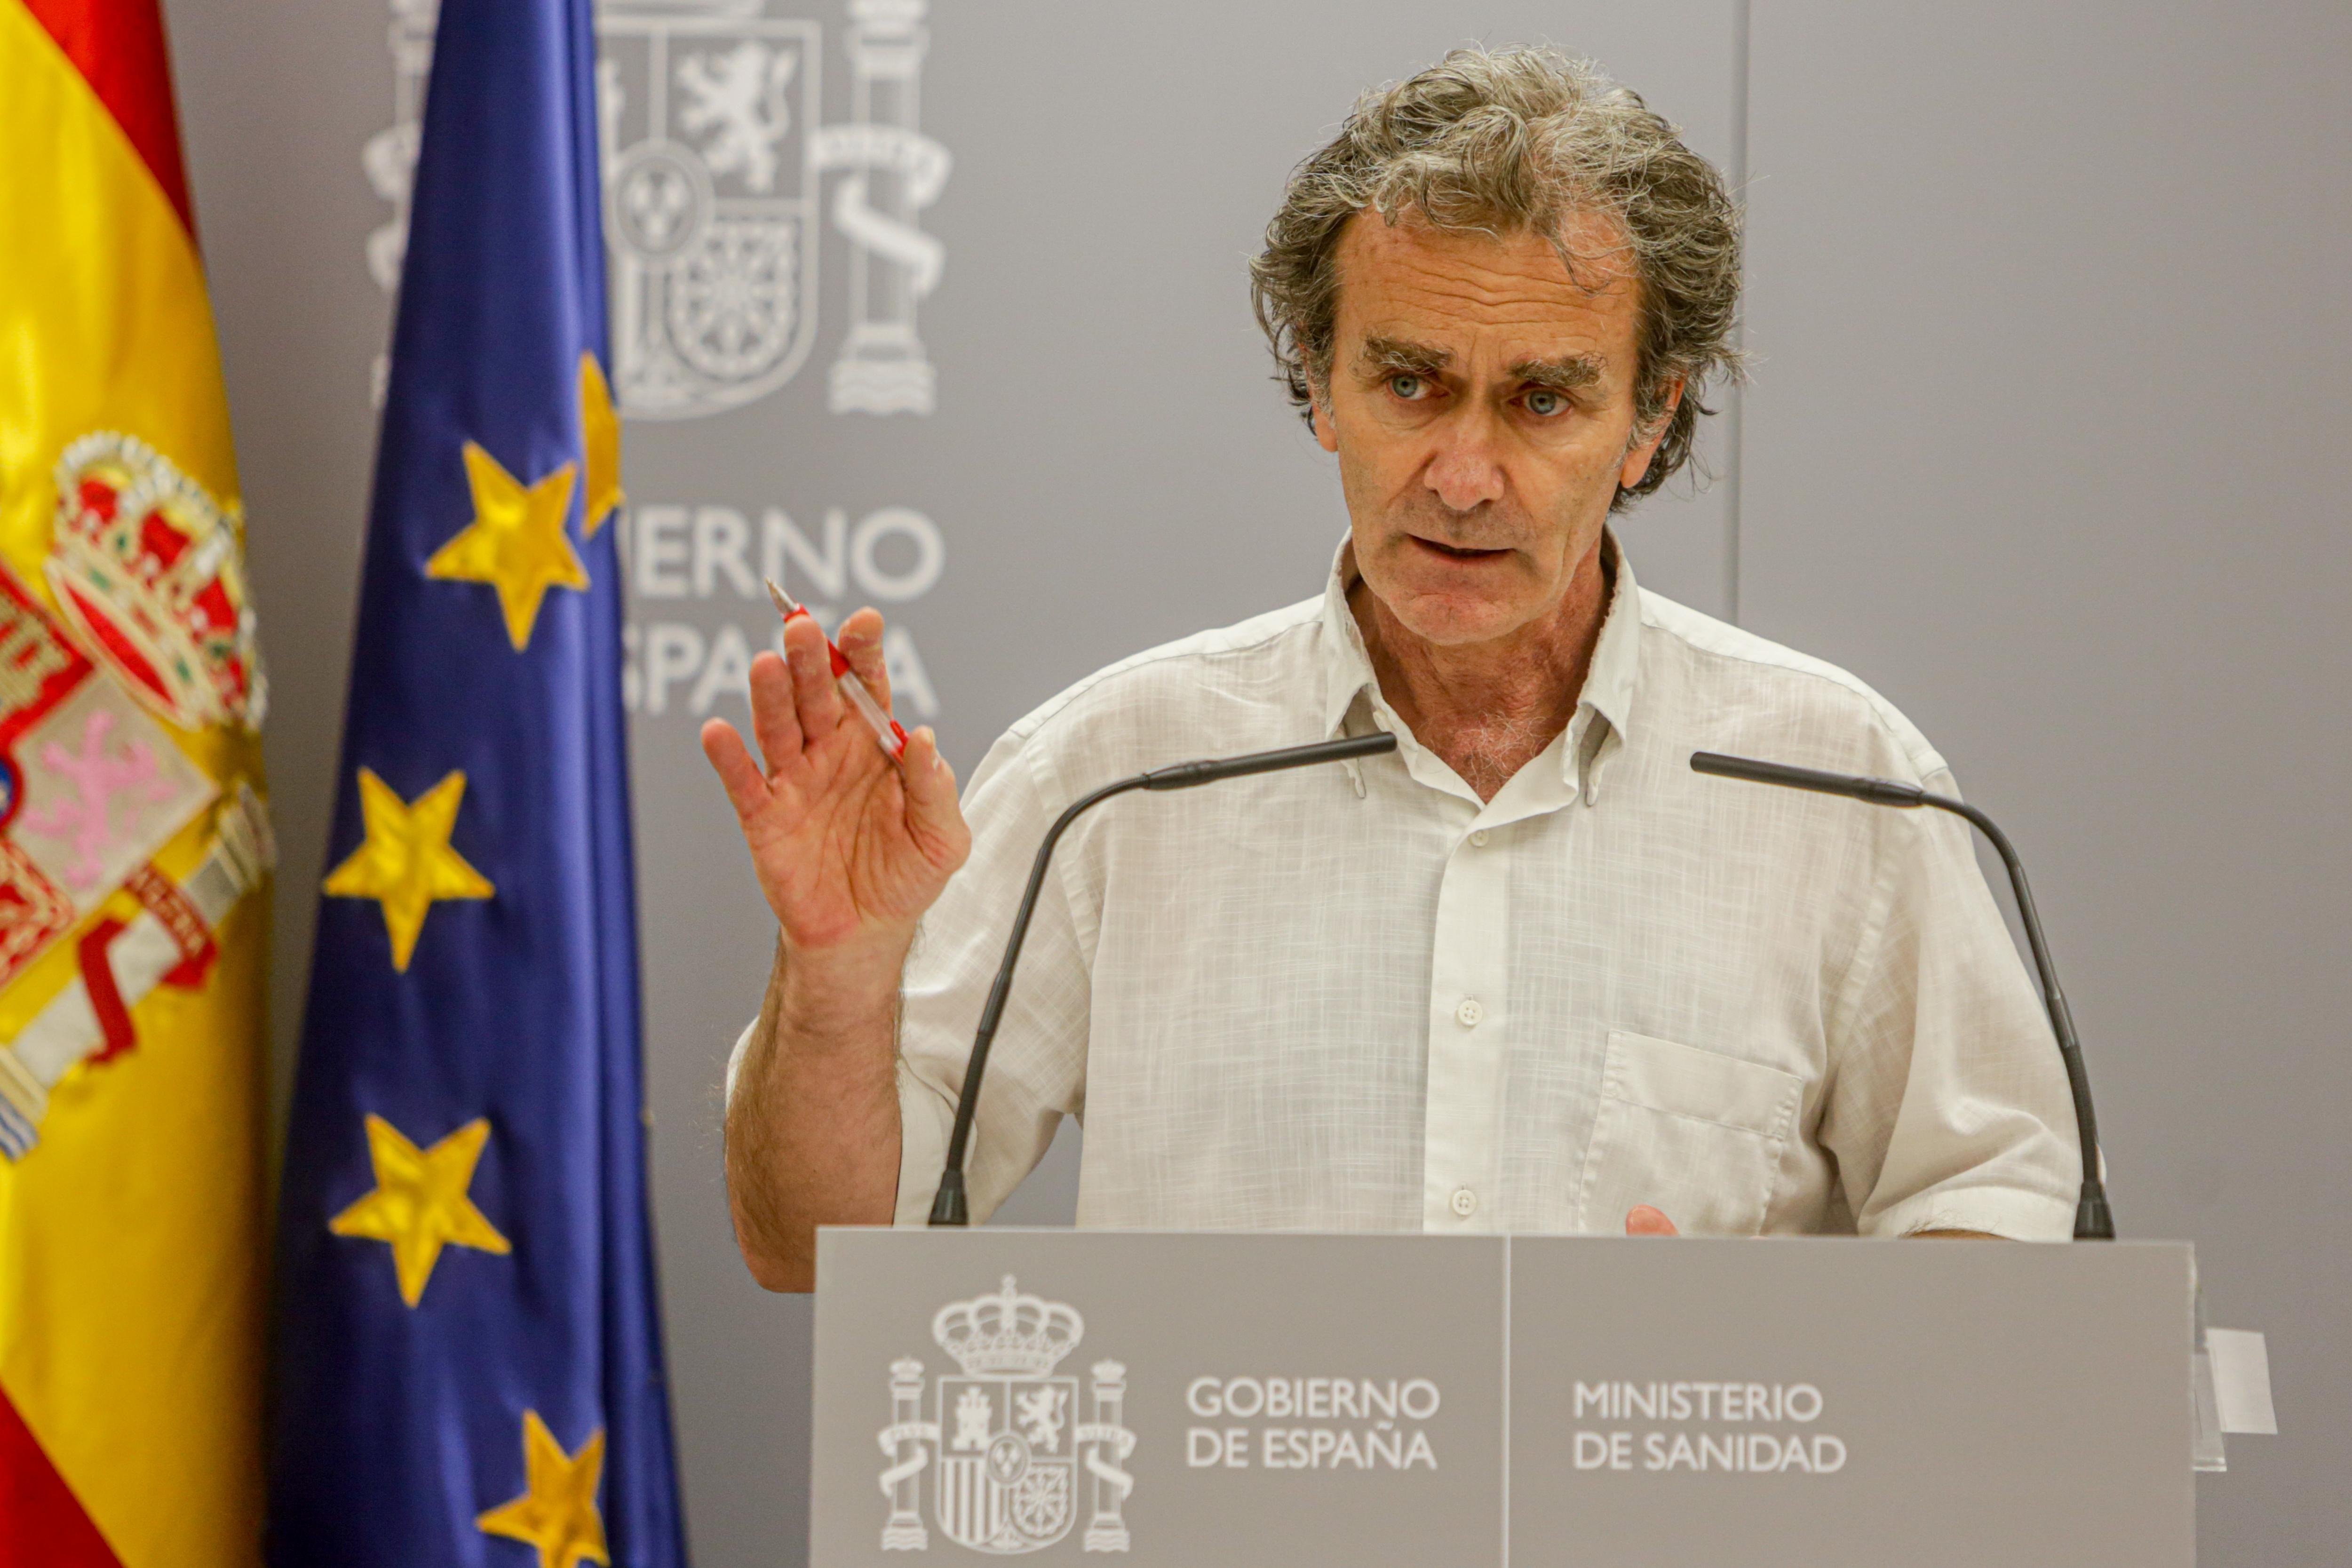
{"x": 2049, "y": 302}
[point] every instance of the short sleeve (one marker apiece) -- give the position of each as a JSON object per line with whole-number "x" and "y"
{"x": 1037, "y": 1069}
{"x": 1947, "y": 1106}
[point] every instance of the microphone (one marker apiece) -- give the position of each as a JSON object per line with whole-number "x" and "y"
{"x": 947, "y": 1207}
{"x": 2093, "y": 1222}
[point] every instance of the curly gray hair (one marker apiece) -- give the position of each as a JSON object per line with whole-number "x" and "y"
{"x": 1512, "y": 143}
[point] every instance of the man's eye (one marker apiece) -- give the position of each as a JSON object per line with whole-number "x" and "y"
{"x": 1407, "y": 387}
{"x": 1543, "y": 405}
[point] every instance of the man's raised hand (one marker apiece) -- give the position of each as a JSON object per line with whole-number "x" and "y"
{"x": 850, "y": 848}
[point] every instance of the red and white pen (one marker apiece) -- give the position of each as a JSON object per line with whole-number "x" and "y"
{"x": 885, "y": 729}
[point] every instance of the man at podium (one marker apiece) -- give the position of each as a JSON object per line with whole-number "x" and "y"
{"x": 1530, "y": 972}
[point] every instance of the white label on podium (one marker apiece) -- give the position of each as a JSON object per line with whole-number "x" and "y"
{"x": 2241, "y": 1382}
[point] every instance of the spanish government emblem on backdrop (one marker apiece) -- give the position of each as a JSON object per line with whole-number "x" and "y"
{"x": 715, "y": 141}
{"x": 133, "y": 848}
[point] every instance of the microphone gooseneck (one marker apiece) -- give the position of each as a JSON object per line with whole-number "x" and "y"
{"x": 2093, "y": 1220}
{"x": 948, "y": 1208}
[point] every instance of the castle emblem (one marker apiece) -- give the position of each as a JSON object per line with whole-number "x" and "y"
{"x": 714, "y": 151}
{"x": 1011, "y": 1452}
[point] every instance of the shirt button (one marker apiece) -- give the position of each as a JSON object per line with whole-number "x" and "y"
{"x": 1479, "y": 837}
{"x": 1469, "y": 1013}
{"x": 1466, "y": 1202}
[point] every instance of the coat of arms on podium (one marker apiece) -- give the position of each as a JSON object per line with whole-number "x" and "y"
{"x": 1012, "y": 1455}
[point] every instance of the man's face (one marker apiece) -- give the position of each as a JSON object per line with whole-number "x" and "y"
{"x": 1480, "y": 402}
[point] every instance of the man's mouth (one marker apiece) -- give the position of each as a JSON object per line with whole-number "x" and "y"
{"x": 1454, "y": 551}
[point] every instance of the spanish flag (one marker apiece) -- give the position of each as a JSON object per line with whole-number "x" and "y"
{"x": 133, "y": 850}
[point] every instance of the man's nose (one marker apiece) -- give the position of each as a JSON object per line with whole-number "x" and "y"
{"x": 1466, "y": 470}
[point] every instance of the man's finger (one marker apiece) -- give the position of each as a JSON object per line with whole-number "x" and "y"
{"x": 815, "y": 699}
{"x": 930, "y": 784}
{"x": 776, "y": 715}
{"x": 860, "y": 641}
{"x": 746, "y": 787}
{"x": 1643, "y": 1220}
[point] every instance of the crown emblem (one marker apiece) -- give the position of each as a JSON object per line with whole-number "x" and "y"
{"x": 1007, "y": 1333}
{"x": 145, "y": 566}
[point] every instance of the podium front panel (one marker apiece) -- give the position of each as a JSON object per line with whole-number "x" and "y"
{"x": 1164, "y": 1398}
{"x": 1934, "y": 1403}
{"x": 1170, "y": 1399}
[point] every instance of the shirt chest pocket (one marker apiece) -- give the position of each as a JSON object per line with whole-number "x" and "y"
{"x": 1695, "y": 1134}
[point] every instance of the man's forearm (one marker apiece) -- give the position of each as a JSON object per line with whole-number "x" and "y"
{"x": 813, "y": 1133}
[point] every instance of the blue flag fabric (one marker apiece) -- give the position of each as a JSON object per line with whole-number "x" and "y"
{"x": 468, "y": 1365}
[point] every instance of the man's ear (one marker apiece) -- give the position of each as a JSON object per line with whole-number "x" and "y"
{"x": 1326, "y": 434}
{"x": 1638, "y": 456}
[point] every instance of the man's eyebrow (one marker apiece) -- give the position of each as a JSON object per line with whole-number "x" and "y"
{"x": 1393, "y": 356}
{"x": 1564, "y": 374}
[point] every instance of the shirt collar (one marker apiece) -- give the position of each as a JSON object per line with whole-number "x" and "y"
{"x": 1617, "y": 656}
{"x": 1606, "y": 701}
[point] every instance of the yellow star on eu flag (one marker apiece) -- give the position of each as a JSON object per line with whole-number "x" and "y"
{"x": 516, "y": 542}
{"x": 406, "y": 862}
{"x": 420, "y": 1203}
{"x": 557, "y": 1511}
{"x": 600, "y": 443}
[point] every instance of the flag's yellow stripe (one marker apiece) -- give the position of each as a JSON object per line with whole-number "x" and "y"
{"x": 130, "y": 1242}
{"x": 103, "y": 318}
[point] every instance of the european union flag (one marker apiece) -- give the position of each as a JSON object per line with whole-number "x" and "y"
{"x": 469, "y": 1361}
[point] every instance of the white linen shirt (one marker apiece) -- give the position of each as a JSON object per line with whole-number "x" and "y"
{"x": 1356, "y": 998}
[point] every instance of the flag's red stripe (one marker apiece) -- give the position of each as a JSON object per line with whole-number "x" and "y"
{"x": 41, "y": 1525}
{"x": 118, "y": 46}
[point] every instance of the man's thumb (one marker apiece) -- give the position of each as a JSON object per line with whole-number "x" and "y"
{"x": 1643, "y": 1220}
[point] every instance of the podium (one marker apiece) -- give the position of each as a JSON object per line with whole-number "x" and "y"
{"x": 1185, "y": 1398}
